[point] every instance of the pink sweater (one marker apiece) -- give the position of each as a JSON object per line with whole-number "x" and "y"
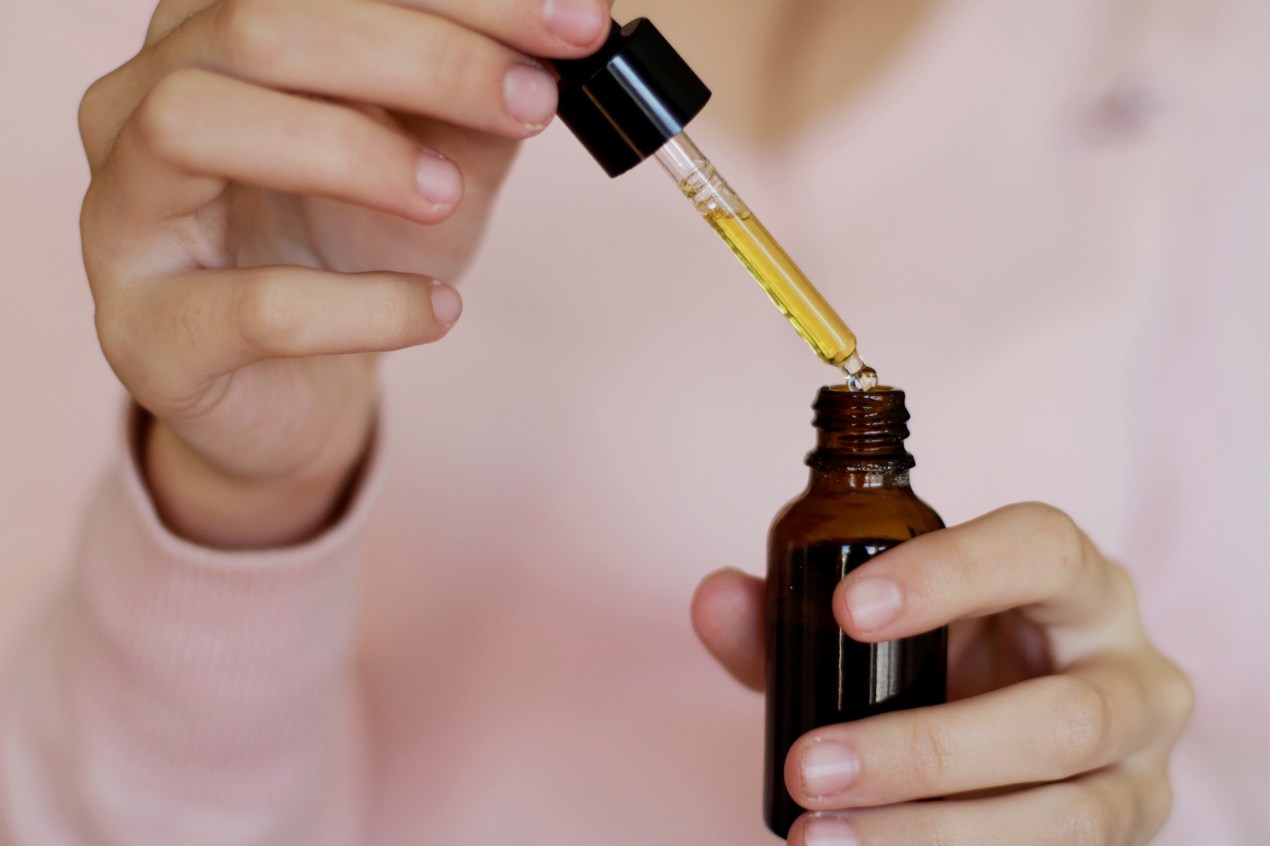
{"x": 1047, "y": 223}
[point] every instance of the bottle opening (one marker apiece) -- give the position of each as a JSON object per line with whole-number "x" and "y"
{"x": 860, "y": 431}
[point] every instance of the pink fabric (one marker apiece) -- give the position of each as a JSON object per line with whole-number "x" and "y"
{"x": 1046, "y": 223}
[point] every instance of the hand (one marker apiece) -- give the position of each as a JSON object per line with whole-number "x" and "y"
{"x": 1062, "y": 713}
{"x": 276, "y": 186}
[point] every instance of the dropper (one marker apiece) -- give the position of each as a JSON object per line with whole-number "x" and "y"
{"x": 631, "y": 100}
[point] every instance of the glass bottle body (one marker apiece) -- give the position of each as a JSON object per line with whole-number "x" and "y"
{"x": 854, "y": 507}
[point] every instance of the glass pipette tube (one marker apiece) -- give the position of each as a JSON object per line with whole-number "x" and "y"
{"x": 787, "y": 286}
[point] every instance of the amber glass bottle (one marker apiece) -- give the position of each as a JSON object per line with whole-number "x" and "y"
{"x": 857, "y": 503}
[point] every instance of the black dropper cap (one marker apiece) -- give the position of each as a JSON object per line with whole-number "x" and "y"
{"x": 630, "y": 97}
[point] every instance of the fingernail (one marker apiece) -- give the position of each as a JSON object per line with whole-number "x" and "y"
{"x": 530, "y": 94}
{"x": 438, "y": 179}
{"x": 873, "y": 603}
{"x": 576, "y": 22}
{"x": 828, "y": 767}
{"x": 447, "y": 305}
{"x": 825, "y": 830}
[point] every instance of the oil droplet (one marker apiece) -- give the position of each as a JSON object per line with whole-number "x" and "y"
{"x": 864, "y": 379}
{"x": 860, "y": 376}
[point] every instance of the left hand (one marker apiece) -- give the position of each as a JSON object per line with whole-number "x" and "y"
{"x": 1061, "y": 713}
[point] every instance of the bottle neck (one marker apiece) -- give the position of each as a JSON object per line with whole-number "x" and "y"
{"x": 830, "y": 481}
{"x": 860, "y": 440}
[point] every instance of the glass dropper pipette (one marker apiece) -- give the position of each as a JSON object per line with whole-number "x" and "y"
{"x": 787, "y": 286}
{"x": 631, "y": 100}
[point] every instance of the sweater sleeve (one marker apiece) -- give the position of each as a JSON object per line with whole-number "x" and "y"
{"x": 179, "y": 694}
{"x": 1206, "y": 457}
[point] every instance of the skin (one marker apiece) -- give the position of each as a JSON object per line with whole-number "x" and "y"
{"x": 244, "y": 282}
{"x": 1061, "y": 714}
{"x": 776, "y": 66}
{"x": 263, "y": 223}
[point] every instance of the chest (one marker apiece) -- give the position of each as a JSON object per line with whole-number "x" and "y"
{"x": 621, "y": 410}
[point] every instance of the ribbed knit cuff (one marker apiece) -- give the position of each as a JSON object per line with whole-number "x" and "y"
{"x": 232, "y": 668}
{"x": 141, "y": 578}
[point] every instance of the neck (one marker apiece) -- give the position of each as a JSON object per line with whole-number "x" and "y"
{"x": 777, "y": 66}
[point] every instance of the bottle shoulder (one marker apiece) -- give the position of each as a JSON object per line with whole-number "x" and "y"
{"x": 882, "y": 513}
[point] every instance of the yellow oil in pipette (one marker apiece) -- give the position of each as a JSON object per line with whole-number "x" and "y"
{"x": 773, "y": 269}
{"x": 748, "y": 239}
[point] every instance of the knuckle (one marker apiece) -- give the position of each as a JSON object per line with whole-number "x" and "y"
{"x": 961, "y": 571}
{"x": 88, "y": 216}
{"x": 103, "y": 254}
{"x": 91, "y": 116}
{"x": 168, "y": 15}
{"x": 444, "y": 63}
{"x": 103, "y": 109}
{"x": 461, "y": 72}
{"x": 938, "y": 835}
{"x": 165, "y": 116}
{"x": 932, "y": 755}
{"x": 1092, "y": 820}
{"x": 1062, "y": 534}
{"x": 248, "y": 33}
{"x": 345, "y": 141}
{"x": 117, "y": 341}
{"x": 960, "y": 558}
{"x": 265, "y": 320}
{"x": 1131, "y": 812}
{"x": 1178, "y": 696}
{"x": 185, "y": 319}
{"x": 1119, "y": 585}
{"x": 1068, "y": 538}
{"x": 1083, "y": 724}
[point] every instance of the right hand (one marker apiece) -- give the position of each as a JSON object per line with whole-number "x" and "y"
{"x": 276, "y": 187}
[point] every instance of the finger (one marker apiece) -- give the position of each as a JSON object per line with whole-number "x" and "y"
{"x": 390, "y": 56}
{"x": 197, "y": 130}
{"x": 169, "y": 14}
{"x": 1044, "y": 729}
{"x": 172, "y": 337}
{"x": 727, "y": 614}
{"x": 393, "y": 57}
{"x": 109, "y": 101}
{"x": 1110, "y": 807}
{"x": 1030, "y": 556}
{"x": 549, "y": 28}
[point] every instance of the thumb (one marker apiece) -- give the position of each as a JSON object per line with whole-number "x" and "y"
{"x": 727, "y": 614}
